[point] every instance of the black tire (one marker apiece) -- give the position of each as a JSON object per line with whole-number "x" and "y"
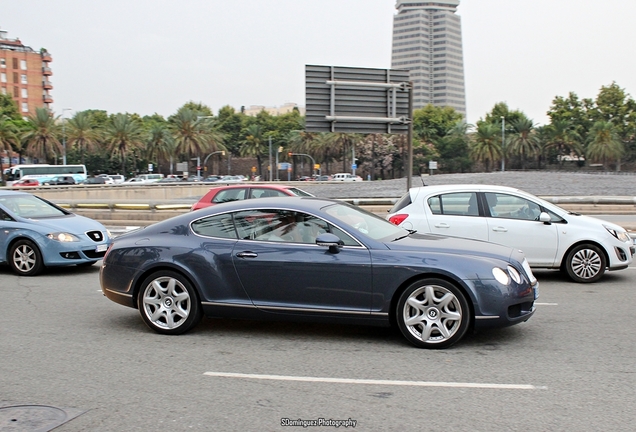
{"x": 428, "y": 322}
{"x": 585, "y": 263}
{"x": 168, "y": 303}
{"x": 25, "y": 258}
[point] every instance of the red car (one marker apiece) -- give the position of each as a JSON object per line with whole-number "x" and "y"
{"x": 26, "y": 182}
{"x": 221, "y": 194}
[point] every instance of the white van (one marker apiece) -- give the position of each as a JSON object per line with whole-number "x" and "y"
{"x": 345, "y": 177}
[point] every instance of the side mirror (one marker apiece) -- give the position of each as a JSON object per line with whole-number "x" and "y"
{"x": 545, "y": 218}
{"x": 331, "y": 241}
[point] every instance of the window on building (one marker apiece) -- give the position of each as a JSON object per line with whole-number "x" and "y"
{"x": 15, "y": 63}
{"x": 3, "y": 77}
{"x": 4, "y": 90}
{"x": 25, "y": 107}
{"x": 23, "y": 65}
{"x": 3, "y": 63}
{"x": 25, "y": 93}
{"x": 15, "y": 77}
{"x": 16, "y": 92}
{"x": 23, "y": 79}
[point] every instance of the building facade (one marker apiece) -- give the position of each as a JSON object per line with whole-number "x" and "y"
{"x": 25, "y": 75}
{"x": 427, "y": 40}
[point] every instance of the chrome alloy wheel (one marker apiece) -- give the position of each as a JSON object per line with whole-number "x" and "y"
{"x": 24, "y": 258}
{"x": 586, "y": 263}
{"x": 432, "y": 314}
{"x": 166, "y": 303}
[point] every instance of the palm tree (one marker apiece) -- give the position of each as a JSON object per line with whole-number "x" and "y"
{"x": 523, "y": 141}
{"x": 486, "y": 144}
{"x": 254, "y": 145}
{"x": 81, "y": 133}
{"x": 603, "y": 143}
{"x": 41, "y": 140}
{"x": 8, "y": 139}
{"x": 123, "y": 134}
{"x": 193, "y": 134}
{"x": 345, "y": 142}
{"x": 562, "y": 136}
{"x": 159, "y": 144}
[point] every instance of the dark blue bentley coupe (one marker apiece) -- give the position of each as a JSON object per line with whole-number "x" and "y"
{"x": 305, "y": 258}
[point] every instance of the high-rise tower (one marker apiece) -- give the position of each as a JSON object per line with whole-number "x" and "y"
{"x": 427, "y": 40}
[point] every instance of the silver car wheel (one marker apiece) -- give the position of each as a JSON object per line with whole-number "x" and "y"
{"x": 432, "y": 314}
{"x": 24, "y": 258}
{"x": 586, "y": 263}
{"x": 166, "y": 303}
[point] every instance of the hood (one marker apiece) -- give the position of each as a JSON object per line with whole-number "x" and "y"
{"x": 593, "y": 222}
{"x": 455, "y": 245}
{"x": 72, "y": 223}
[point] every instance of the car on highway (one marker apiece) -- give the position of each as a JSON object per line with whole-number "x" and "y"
{"x": 551, "y": 237}
{"x": 107, "y": 179}
{"x": 314, "y": 259}
{"x": 117, "y": 178}
{"x": 95, "y": 180}
{"x": 35, "y": 234}
{"x": 60, "y": 180}
{"x": 26, "y": 182}
{"x": 345, "y": 177}
{"x": 221, "y": 194}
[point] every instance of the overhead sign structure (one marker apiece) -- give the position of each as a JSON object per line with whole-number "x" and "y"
{"x": 360, "y": 100}
{"x": 357, "y": 100}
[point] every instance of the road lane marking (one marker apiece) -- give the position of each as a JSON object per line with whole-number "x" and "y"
{"x": 376, "y": 382}
{"x": 546, "y": 304}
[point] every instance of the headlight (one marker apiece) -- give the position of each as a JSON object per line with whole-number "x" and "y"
{"x": 501, "y": 276}
{"x": 62, "y": 237}
{"x": 621, "y": 235}
{"x": 504, "y": 276}
{"x": 514, "y": 274}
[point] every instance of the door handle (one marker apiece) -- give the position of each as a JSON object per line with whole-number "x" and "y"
{"x": 247, "y": 255}
{"x": 500, "y": 229}
{"x": 442, "y": 225}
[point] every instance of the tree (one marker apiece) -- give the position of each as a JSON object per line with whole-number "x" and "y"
{"x": 603, "y": 143}
{"x": 159, "y": 144}
{"x": 123, "y": 134}
{"x": 194, "y": 135}
{"x": 41, "y": 138}
{"x": 9, "y": 108}
{"x": 81, "y": 133}
{"x": 522, "y": 141}
{"x": 485, "y": 145}
{"x": 253, "y": 145}
{"x": 562, "y": 136}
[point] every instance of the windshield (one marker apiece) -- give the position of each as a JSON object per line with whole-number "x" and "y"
{"x": 365, "y": 222}
{"x": 29, "y": 206}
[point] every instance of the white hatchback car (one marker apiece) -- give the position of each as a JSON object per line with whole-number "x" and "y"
{"x": 345, "y": 177}
{"x": 550, "y": 236}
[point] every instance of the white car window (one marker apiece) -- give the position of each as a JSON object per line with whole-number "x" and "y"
{"x": 457, "y": 204}
{"x": 512, "y": 207}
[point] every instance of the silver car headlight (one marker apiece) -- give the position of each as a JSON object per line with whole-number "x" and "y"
{"x": 619, "y": 234}
{"x": 505, "y": 276}
{"x": 501, "y": 276}
{"x": 62, "y": 237}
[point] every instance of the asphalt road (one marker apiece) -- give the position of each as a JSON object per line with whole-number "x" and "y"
{"x": 62, "y": 344}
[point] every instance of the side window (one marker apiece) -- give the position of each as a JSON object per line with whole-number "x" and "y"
{"x": 230, "y": 195}
{"x": 264, "y": 193}
{"x": 512, "y": 207}
{"x": 4, "y": 216}
{"x": 456, "y": 204}
{"x": 285, "y": 226}
{"x": 215, "y": 226}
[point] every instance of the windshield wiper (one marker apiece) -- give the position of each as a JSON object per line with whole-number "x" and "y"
{"x": 404, "y": 236}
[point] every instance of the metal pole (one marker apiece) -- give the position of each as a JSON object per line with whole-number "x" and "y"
{"x": 353, "y": 159}
{"x": 270, "y": 159}
{"x": 409, "y": 165}
{"x": 198, "y": 167}
{"x": 63, "y": 136}
{"x": 503, "y": 143}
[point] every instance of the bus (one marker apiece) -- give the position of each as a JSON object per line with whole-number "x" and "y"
{"x": 44, "y": 172}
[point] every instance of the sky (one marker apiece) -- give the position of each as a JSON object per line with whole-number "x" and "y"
{"x": 153, "y": 56}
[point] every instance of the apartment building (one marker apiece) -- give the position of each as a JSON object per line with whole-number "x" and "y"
{"x": 427, "y": 40}
{"x": 25, "y": 74}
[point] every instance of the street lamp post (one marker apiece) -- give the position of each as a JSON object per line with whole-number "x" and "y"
{"x": 205, "y": 161}
{"x": 64, "y": 135}
{"x": 313, "y": 162}
{"x": 503, "y": 143}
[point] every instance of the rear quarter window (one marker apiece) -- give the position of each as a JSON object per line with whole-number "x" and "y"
{"x": 401, "y": 203}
